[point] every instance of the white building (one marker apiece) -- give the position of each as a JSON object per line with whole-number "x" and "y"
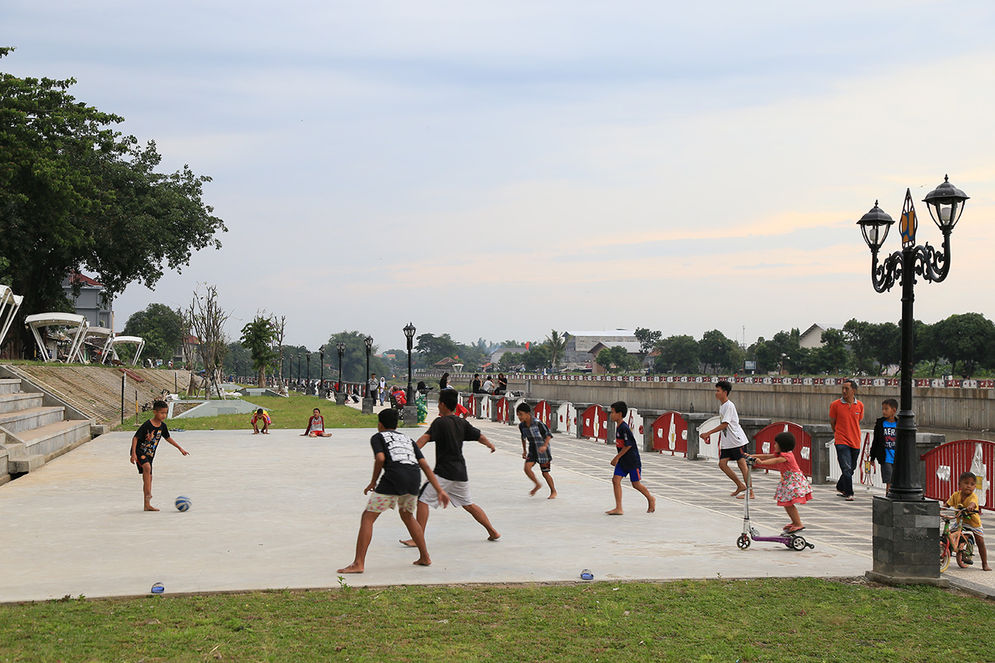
{"x": 577, "y": 354}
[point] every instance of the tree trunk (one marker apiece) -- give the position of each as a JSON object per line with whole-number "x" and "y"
{"x": 261, "y": 377}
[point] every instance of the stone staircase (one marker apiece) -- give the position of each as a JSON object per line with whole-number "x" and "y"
{"x": 34, "y": 429}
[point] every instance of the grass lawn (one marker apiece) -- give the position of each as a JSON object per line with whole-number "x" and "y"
{"x": 290, "y": 412}
{"x": 795, "y": 620}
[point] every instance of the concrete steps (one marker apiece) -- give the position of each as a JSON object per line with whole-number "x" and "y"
{"x": 33, "y": 433}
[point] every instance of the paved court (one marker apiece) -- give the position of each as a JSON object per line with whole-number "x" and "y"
{"x": 282, "y": 511}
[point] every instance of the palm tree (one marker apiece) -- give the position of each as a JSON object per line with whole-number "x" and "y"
{"x": 557, "y": 343}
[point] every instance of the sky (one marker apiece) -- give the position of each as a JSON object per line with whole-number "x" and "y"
{"x": 499, "y": 170}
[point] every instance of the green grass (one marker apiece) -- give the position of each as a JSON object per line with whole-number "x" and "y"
{"x": 290, "y": 412}
{"x": 797, "y": 620}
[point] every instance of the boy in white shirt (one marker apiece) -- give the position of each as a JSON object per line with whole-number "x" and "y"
{"x": 732, "y": 442}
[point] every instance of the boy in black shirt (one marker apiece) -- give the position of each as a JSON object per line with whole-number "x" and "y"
{"x": 144, "y": 444}
{"x": 448, "y": 432}
{"x": 399, "y": 458}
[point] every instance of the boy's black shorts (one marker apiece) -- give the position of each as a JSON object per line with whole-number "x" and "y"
{"x": 142, "y": 459}
{"x": 543, "y": 460}
{"x": 733, "y": 454}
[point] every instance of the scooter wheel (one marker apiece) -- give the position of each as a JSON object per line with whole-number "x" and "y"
{"x": 798, "y": 543}
{"x": 743, "y": 542}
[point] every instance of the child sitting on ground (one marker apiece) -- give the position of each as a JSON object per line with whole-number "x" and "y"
{"x": 263, "y": 416}
{"x": 794, "y": 487}
{"x": 967, "y": 499}
{"x": 316, "y": 425}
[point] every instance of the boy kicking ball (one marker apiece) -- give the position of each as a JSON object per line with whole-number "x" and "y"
{"x": 144, "y": 444}
{"x": 399, "y": 458}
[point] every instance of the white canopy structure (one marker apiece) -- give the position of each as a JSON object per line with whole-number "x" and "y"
{"x": 76, "y": 327}
{"x": 9, "y": 303}
{"x": 98, "y": 337}
{"x": 134, "y": 340}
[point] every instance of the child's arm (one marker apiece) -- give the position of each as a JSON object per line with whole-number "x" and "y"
{"x": 721, "y": 427}
{"x": 377, "y": 468}
{"x": 487, "y": 443}
{"x": 134, "y": 450}
{"x": 777, "y": 460}
{"x": 525, "y": 451}
{"x": 430, "y": 475}
{"x": 422, "y": 441}
{"x": 762, "y": 456}
{"x": 619, "y": 455}
{"x": 175, "y": 444}
{"x": 545, "y": 443}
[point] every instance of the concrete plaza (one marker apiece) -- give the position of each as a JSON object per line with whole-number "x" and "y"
{"x": 282, "y": 511}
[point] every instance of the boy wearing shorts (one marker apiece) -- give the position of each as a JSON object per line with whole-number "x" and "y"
{"x": 732, "y": 441}
{"x": 626, "y": 462}
{"x": 260, "y": 415}
{"x": 535, "y": 448}
{"x": 449, "y": 432}
{"x": 965, "y": 498}
{"x": 399, "y": 458}
{"x": 143, "y": 446}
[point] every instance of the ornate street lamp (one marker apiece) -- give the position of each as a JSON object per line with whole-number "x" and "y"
{"x": 946, "y": 204}
{"x": 369, "y": 347}
{"x": 321, "y": 379}
{"x": 409, "y": 333}
{"x": 309, "y": 370}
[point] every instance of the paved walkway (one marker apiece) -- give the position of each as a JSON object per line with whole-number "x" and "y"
{"x": 282, "y": 511}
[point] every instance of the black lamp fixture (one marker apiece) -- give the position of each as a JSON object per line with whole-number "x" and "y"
{"x": 340, "y": 347}
{"x": 369, "y": 347}
{"x": 409, "y": 333}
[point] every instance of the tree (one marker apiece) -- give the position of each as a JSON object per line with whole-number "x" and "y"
{"x": 616, "y": 358}
{"x": 719, "y": 352}
{"x": 966, "y": 340}
{"x": 237, "y": 360}
{"x": 432, "y": 348}
{"x": 678, "y": 354}
{"x": 875, "y": 346}
{"x": 833, "y": 356}
{"x": 647, "y": 340}
{"x": 557, "y": 343}
{"x": 354, "y": 359}
{"x": 259, "y": 336}
{"x": 162, "y": 328}
{"x": 76, "y": 194}
{"x": 207, "y": 319}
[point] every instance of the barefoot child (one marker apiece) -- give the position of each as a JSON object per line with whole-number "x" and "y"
{"x": 536, "y": 437}
{"x": 626, "y": 462}
{"x": 966, "y": 498}
{"x": 732, "y": 441}
{"x": 449, "y": 432}
{"x": 144, "y": 444}
{"x": 399, "y": 458}
{"x": 260, "y": 415}
{"x": 794, "y": 487}
{"x": 316, "y": 425}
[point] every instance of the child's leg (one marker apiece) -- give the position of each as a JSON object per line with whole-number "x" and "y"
{"x": 744, "y": 469}
{"x": 724, "y": 466}
{"x": 362, "y": 542}
{"x": 796, "y": 520}
{"x": 617, "y": 490}
{"x": 650, "y": 500}
{"x": 422, "y": 523}
{"x": 532, "y": 476}
{"x": 481, "y": 517}
{"x": 982, "y": 550}
{"x": 147, "y": 486}
{"x": 549, "y": 481}
{"x": 418, "y": 536}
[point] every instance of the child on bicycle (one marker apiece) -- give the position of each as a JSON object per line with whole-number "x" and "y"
{"x": 794, "y": 488}
{"x": 965, "y": 498}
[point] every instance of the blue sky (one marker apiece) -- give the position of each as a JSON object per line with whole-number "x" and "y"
{"x": 501, "y": 169}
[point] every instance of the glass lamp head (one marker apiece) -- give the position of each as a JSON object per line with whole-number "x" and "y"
{"x": 946, "y": 204}
{"x": 875, "y": 226}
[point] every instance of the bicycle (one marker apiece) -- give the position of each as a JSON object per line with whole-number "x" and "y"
{"x": 956, "y": 539}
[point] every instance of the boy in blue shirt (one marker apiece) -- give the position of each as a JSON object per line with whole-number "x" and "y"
{"x": 885, "y": 437}
{"x": 626, "y": 462}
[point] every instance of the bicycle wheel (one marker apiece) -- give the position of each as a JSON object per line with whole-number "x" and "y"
{"x": 944, "y": 555}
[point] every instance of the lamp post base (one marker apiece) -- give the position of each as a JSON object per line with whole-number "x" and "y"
{"x": 340, "y": 398}
{"x": 410, "y": 416}
{"x": 367, "y": 406}
{"x": 906, "y": 542}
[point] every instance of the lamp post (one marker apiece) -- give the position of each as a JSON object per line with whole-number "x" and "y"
{"x": 307, "y": 384}
{"x": 410, "y": 410}
{"x": 902, "y": 551}
{"x": 321, "y": 373}
{"x": 368, "y": 400}
{"x": 340, "y": 392}
{"x": 299, "y": 372}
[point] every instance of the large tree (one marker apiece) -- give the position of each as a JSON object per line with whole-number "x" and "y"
{"x": 557, "y": 343}
{"x": 76, "y": 194}
{"x": 162, "y": 328}
{"x": 966, "y": 340}
{"x": 353, "y": 360}
{"x": 719, "y": 352}
{"x": 678, "y": 354}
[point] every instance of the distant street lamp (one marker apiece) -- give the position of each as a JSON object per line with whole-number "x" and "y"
{"x": 309, "y": 370}
{"x": 945, "y": 204}
{"x": 341, "y": 349}
{"x": 369, "y": 347}
{"x": 321, "y": 379}
{"x": 409, "y": 333}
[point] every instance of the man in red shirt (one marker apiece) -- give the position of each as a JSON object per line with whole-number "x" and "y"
{"x": 845, "y": 415}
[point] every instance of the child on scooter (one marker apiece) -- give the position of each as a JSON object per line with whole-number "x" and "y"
{"x": 794, "y": 488}
{"x": 967, "y": 499}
